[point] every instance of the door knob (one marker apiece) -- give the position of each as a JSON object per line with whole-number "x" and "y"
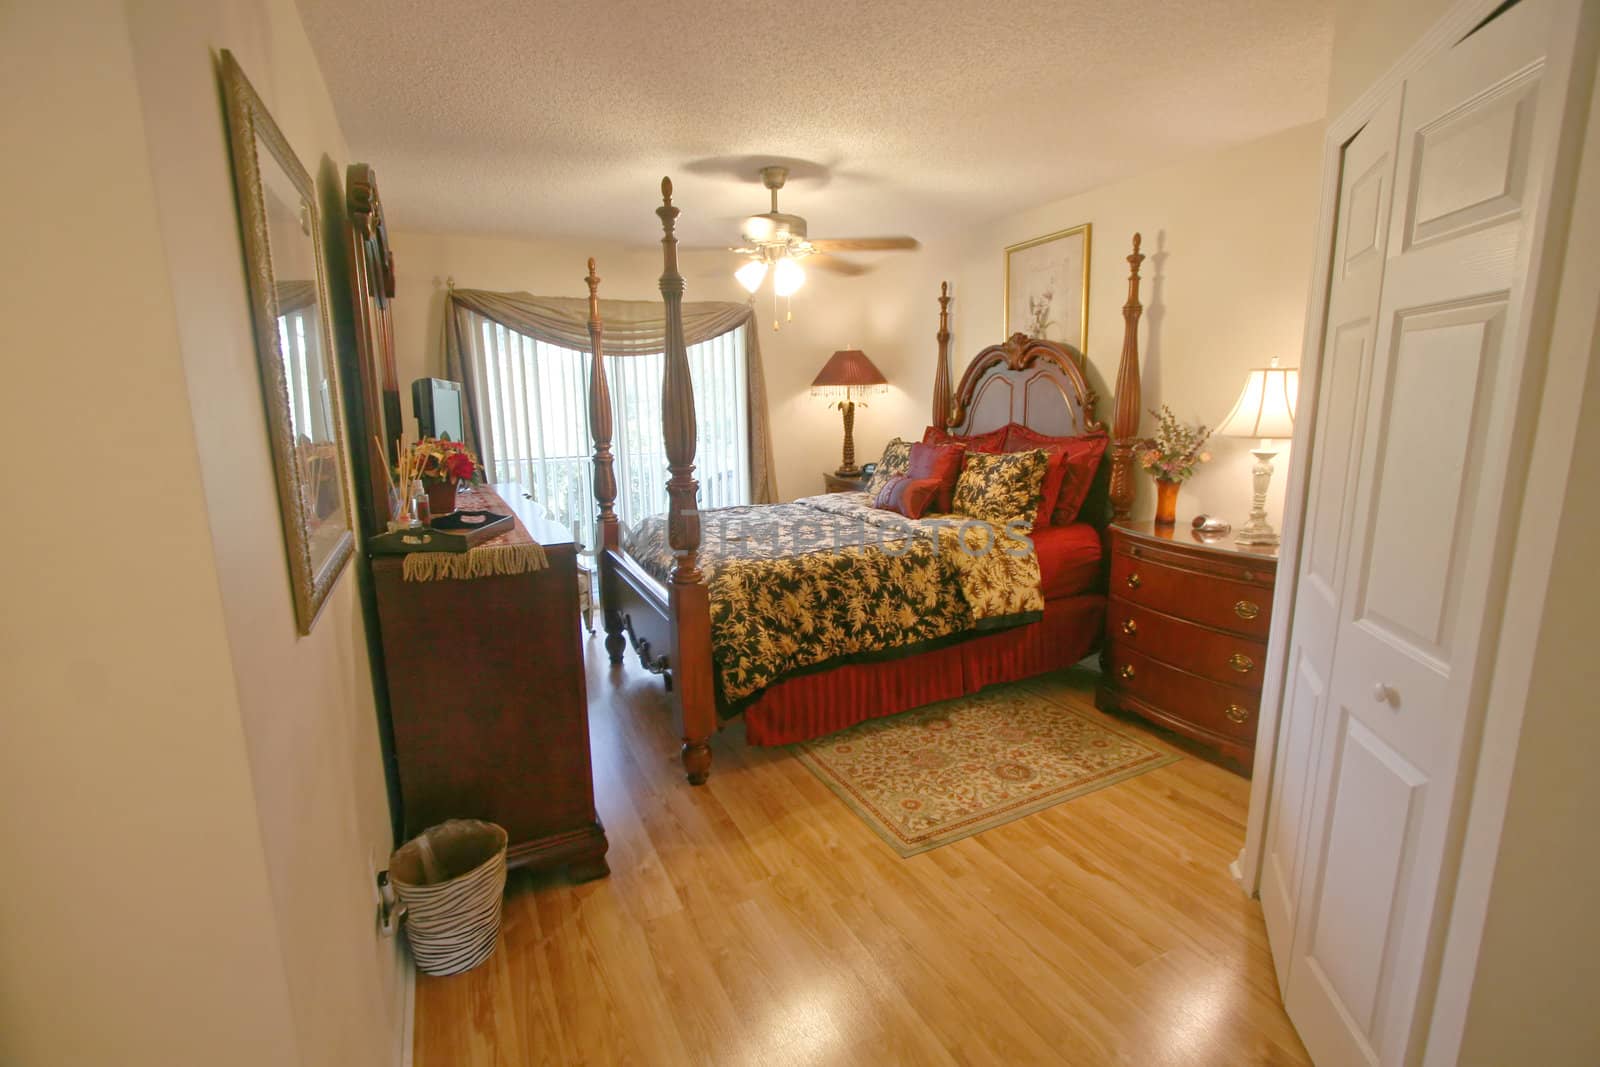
{"x": 1383, "y": 694}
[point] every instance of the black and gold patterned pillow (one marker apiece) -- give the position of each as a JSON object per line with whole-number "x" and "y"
{"x": 896, "y": 460}
{"x": 1000, "y": 487}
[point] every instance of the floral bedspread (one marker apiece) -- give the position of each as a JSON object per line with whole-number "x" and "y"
{"x": 797, "y": 585}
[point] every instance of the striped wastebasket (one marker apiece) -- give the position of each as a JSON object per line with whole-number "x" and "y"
{"x": 450, "y": 880}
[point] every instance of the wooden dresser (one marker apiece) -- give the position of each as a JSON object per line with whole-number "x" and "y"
{"x": 489, "y": 705}
{"x": 1186, "y": 634}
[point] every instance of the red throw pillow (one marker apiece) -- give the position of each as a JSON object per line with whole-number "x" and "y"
{"x": 1082, "y": 453}
{"x": 909, "y": 496}
{"x": 976, "y": 442}
{"x": 942, "y": 462}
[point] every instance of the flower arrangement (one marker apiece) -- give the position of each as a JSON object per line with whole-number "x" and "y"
{"x": 1175, "y": 450}
{"x": 441, "y": 460}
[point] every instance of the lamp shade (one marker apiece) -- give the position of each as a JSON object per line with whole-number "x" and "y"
{"x": 1266, "y": 407}
{"x": 849, "y": 372}
{"x": 751, "y": 275}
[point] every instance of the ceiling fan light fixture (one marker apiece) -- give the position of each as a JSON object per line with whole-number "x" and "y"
{"x": 759, "y": 229}
{"x": 751, "y": 275}
{"x": 787, "y": 277}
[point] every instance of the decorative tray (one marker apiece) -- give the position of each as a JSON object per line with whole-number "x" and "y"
{"x": 455, "y": 532}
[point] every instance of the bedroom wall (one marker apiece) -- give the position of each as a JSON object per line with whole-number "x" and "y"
{"x": 890, "y": 313}
{"x": 306, "y": 703}
{"x": 136, "y": 923}
{"x": 1228, "y": 239}
{"x": 1368, "y": 37}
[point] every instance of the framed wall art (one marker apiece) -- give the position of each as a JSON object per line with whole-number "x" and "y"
{"x": 1047, "y": 287}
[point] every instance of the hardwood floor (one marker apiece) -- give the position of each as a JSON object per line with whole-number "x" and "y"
{"x": 756, "y": 920}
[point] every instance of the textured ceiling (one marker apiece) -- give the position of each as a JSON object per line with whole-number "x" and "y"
{"x": 915, "y": 116}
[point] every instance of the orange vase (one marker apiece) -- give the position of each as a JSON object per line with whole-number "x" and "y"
{"x": 1166, "y": 502}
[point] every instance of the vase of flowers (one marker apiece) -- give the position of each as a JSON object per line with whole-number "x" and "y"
{"x": 1171, "y": 457}
{"x": 441, "y": 464}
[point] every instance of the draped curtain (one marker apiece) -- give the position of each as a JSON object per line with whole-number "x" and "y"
{"x": 635, "y": 331}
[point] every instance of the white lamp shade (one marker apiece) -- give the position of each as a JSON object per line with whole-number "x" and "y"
{"x": 751, "y": 275}
{"x": 1266, "y": 407}
{"x": 787, "y": 277}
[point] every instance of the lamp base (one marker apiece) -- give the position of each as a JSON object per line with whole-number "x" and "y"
{"x": 1253, "y": 533}
{"x": 1257, "y": 530}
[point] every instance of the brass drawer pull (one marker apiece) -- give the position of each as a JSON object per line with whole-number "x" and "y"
{"x": 1130, "y": 627}
{"x": 1134, "y": 581}
{"x": 1246, "y": 609}
{"x": 1127, "y": 672}
{"x": 1241, "y": 663}
{"x": 1236, "y": 713}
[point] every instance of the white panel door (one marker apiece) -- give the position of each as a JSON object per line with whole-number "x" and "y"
{"x": 1361, "y": 234}
{"x": 1413, "y": 626}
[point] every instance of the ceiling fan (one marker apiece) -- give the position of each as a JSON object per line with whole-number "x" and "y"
{"x": 776, "y": 242}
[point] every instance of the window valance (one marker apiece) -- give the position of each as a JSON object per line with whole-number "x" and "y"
{"x": 632, "y": 327}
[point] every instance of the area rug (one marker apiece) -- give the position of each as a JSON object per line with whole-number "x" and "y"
{"x": 934, "y": 775}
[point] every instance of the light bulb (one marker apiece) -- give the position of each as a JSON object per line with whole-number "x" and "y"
{"x": 751, "y": 275}
{"x": 788, "y": 277}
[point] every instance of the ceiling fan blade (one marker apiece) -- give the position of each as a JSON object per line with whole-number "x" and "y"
{"x": 865, "y": 244}
{"x": 834, "y": 265}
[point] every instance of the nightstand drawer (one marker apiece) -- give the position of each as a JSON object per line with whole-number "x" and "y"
{"x": 1221, "y": 657}
{"x": 1224, "y": 603}
{"x": 1184, "y": 699}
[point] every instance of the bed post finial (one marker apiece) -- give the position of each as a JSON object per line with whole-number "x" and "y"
{"x": 693, "y": 693}
{"x": 941, "y": 373}
{"x": 1125, "y": 424}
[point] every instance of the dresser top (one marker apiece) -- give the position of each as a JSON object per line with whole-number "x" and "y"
{"x": 1183, "y": 535}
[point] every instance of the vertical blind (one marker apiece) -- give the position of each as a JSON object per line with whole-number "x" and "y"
{"x": 535, "y": 424}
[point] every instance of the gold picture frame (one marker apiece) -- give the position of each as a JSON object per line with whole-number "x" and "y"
{"x": 1038, "y": 273}
{"x": 281, "y": 230}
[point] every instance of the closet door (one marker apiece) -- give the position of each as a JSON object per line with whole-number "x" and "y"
{"x": 1361, "y": 239}
{"x": 1414, "y": 634}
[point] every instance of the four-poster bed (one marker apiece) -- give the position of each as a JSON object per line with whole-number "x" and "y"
{"x": 661, "y": 602}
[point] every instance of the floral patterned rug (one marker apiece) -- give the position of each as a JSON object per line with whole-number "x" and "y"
{"x": 934, "y": 775}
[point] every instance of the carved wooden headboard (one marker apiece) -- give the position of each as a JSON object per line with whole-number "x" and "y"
{"x": 1040, "y": 384}
{"x": 1034, "y": 383}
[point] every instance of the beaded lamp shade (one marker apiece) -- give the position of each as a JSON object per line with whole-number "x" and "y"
{"x": 848, "y": 374}
{"x": 845, "y": 378}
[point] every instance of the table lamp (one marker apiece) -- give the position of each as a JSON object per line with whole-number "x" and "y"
{"x": 1265, "y": 410}
{"x": 847, "y": 377}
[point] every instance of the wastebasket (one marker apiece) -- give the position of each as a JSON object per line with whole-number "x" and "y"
{"x": 450, "y": 880}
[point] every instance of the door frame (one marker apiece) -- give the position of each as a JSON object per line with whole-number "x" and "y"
{"x": 1547, "y": 438}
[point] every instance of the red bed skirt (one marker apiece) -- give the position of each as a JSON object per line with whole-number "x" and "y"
{"x": 812, "y": 705}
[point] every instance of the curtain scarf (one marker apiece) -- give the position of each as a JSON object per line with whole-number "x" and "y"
{"x": 632, "y": 328}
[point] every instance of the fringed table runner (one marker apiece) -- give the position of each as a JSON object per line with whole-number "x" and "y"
{"x": 513, "y": 552}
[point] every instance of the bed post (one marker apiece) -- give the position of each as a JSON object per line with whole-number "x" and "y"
{"x": 692, "y": 696}
{"x": 605, "y": 475}
{"x": 941, "y": 374}
{"x": 1125, "y": 425}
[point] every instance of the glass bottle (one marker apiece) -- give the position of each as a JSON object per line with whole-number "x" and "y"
{"x": 421, "y": 513}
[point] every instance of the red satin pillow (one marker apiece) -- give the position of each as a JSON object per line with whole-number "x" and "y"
{"x": 1082, "y": 459}
{"x": 977, "y": 442}
{"x": 938, "y": 461}
{"x": 909, "y": 496}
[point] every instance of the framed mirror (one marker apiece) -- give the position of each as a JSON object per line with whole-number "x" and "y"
{"x": 282, "y": 234}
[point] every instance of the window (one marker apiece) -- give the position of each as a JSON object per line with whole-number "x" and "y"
{"x": 534, "y": 421}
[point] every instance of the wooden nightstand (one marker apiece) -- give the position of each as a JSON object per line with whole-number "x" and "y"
{"x": 832, "y": 483}
{"x": 1186, "y": 634}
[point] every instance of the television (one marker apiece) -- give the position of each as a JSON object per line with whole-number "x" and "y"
{"x": 437, "y": 405}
